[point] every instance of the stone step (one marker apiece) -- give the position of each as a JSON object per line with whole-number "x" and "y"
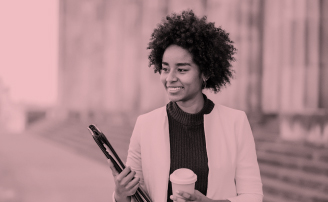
{"x": 296, "y": 178}
{"x": 290, "y": 162}
{"x": 293, "y": 149}
{"x": 277, "y": 189}
{"x": 269, "y": 197}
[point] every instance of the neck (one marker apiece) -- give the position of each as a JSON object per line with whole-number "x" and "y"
{"x": 192, "y": 106}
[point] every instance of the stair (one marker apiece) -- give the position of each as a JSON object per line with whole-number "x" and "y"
{"x": 292, "y": 171}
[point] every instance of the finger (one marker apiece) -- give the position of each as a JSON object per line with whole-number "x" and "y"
{"x": 123, "y": 174}
{"x": 173, "y": 198}
{"x": 132, "y": 183}
{"x": 198, "y": 195}
{"x": 187, "y": 196}
{"x": 127, "y": 179}
{"x": 111, "y": 165}
{"x": 180, "y": 200}
{"x": 134, "y": 189}
{"x": 177, "y": 198}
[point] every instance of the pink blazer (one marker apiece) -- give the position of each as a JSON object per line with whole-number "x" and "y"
{"x": 233, "y": 168}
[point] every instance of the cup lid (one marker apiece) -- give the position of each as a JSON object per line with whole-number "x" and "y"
{"x": 183, "y": 176}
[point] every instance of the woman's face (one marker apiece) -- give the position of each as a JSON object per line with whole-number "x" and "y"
{"x": 180, "y": 75}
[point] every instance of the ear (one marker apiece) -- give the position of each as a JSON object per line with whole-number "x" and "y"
{"x": 204, "y": 78}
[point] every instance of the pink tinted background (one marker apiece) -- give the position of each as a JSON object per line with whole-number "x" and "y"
{"x": 66, "y": 64}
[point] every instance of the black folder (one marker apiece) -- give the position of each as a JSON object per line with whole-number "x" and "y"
{"x": 102, "y": 142}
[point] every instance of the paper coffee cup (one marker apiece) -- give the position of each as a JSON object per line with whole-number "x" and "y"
{"x": 183, "y": 179}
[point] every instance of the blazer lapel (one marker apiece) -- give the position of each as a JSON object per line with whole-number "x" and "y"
{"x": 161, "y": 161}
{"x": 214, "y": 134}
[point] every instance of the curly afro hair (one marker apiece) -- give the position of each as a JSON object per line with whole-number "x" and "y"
{"x": 211, "y": 48}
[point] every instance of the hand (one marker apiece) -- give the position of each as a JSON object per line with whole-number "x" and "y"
{"x": 125, "y": 185}
{"x": 184, "y": 196}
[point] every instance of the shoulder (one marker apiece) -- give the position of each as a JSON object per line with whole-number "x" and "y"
{"x": 228, "y": 112}
{"x": 153, "y": 115}
{"x": 228, "y": 117}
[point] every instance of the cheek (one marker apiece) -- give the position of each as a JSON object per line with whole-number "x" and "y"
{"x": 162, "y": 78}
{"x": 198, "y": 84}
{"x": 195, "y": 82}
{"x": 195, "y": 87}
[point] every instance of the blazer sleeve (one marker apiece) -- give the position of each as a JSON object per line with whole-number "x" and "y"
{"x": 247, "y": 176}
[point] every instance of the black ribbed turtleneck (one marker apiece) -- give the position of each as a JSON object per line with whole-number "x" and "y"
{"x": 187, "y": 142}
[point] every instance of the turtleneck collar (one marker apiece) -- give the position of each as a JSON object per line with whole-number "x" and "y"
{"x": 186, "y": 118}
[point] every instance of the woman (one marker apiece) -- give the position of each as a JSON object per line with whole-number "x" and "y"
{"x": 214, "y": 141}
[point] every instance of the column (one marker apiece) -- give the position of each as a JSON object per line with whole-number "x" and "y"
{"x": 286, "y": 51}
{"x": 312, "y": 55}
{"x": 255, "y": 61}
{"x": 113, "y": 93}
{"x": 130, "y": 66}
{"x": 272, "y": 62}
{"x": 243, "y": 54}
{"x": 323, "y": 99}
{"x": 298, "y": 55}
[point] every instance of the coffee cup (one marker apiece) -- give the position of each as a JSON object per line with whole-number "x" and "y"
{"x": 183, "y": 179}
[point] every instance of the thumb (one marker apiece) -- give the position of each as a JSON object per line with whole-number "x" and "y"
{"x": 198, "y": 195}
{"x": 111, "y": 165}
{"x": 197, "y": 192}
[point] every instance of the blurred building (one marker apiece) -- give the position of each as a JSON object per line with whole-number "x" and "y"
{"x": 281, "y": 63}
{"x": 280, "y": 69}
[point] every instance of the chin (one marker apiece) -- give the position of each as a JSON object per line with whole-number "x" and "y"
{"x": 175, "y": 98}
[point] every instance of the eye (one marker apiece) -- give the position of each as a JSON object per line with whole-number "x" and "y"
{"x": 182, "y": 70}
{"x": 164, "y": 69}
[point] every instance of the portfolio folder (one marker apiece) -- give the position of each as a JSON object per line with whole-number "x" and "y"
{"x": 110, "y": 153}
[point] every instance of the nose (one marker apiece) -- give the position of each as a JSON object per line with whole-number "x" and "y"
{"x": 171, "y": 77}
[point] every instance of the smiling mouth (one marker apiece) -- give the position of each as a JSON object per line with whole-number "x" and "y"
{"x": 174, "y": 89}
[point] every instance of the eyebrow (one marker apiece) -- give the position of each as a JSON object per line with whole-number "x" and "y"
{"x": 178, "y": 64}
{"x": 183, "y": 64}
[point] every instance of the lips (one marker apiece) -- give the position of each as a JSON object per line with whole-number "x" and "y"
{"x": 174, "y": 89}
